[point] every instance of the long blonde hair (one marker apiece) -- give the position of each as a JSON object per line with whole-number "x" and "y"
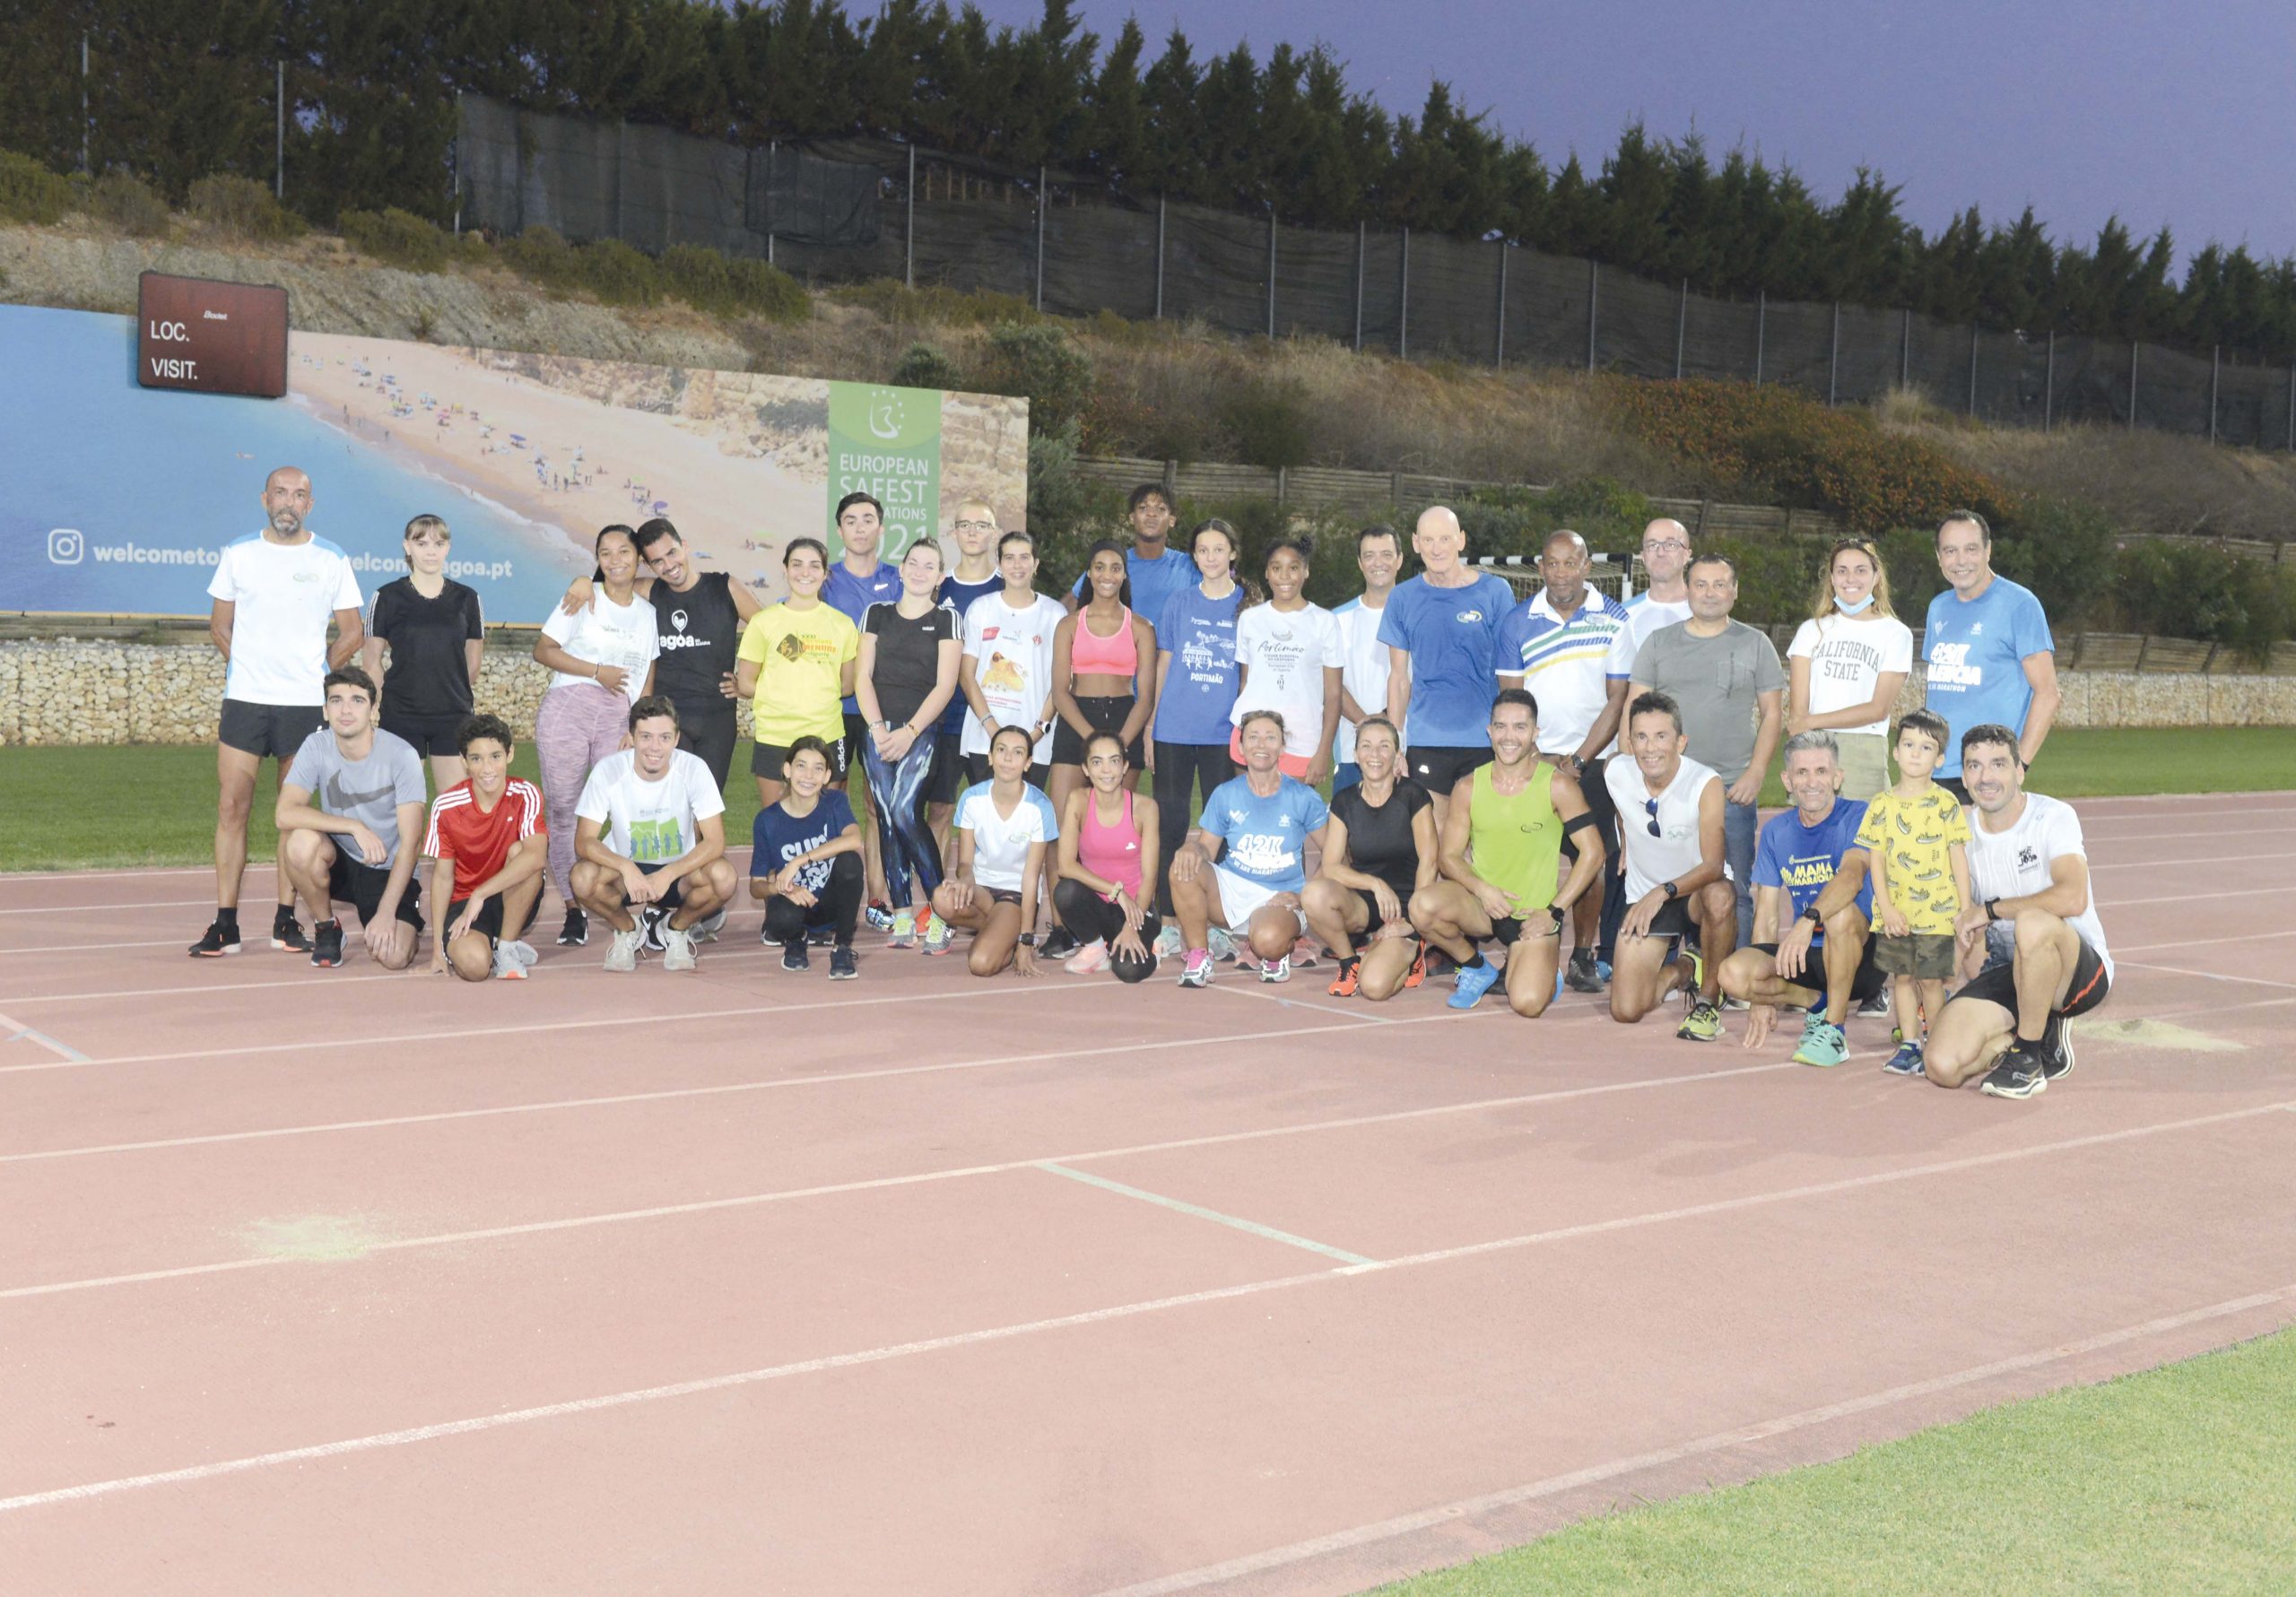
{"x": 1822, "y": 603}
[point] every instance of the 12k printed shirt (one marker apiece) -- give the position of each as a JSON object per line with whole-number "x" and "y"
{"x": 1265, "y": 838}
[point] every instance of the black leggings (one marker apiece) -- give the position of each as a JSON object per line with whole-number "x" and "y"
{"x": 1180, "y": 769}
{"x": 1090, "y": 917}
{"x": 839, "y": 906}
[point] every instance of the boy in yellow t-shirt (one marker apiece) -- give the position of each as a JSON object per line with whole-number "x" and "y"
{"x": 797, "y": 658}
{"x": 1916, "y": 840}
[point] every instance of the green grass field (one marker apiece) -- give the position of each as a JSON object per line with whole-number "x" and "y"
{"x": 155, "y": 805}
{"x": 2180, "y": 1479}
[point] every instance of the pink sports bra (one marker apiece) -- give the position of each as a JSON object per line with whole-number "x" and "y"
{"x": 1112, "y": 852}
{"x": 1092, "y": 655}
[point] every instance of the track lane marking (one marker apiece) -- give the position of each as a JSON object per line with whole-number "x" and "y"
{"x": 1179, "y": 1206}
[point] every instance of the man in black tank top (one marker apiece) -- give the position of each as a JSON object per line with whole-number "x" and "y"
{"x": 700, "y": 616}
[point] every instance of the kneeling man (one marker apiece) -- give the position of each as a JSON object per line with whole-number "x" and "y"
{"x": 488, "y": 836}
{"x": 1818, "y": 956}
{"x": 1670, "y": 810}
{"x": 2033, "y": 925}
{"x": 349, "y": 811}
{"x": 650, "y": 835}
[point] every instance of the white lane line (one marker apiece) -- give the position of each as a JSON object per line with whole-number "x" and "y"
{"x": 2154, "y": 948}
{"x": 2196, "y": 859}
{"x": 1426, "y": 1519}
{"x": 2198, "y": 896}
{"x": 1250, "y": 1227}
{"x": 587, "y": 1405}
{"x": 107, "y": 908}
{"x": 16, "y": 1031}
{"x": 2212, "y": 976}
{"x": 83, "y": 948}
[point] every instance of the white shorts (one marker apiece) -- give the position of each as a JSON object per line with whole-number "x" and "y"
{"x": 1241, "y": 898}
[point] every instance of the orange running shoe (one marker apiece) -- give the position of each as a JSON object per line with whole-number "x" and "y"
{"x": 1343, "y": 985}
{"x": 1418, "y": 968}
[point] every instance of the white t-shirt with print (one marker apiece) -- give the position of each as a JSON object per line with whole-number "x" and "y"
{"x": 1000, "y": 843}
{"x": 605, "y": 633}
{"x": 1014, "y": 648}
{"x": 1288, "y": 651}
{"x": 282, "y": 595}
{"x": 649, "y": 822}
{"x": 2015, "y": 865}
{"x": 1847, "y": 659}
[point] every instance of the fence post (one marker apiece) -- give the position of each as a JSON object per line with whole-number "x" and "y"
{"x": 455, "y": 165}
{"x": 1160, "y": 257}
{"x": 1362, "y": 231}
{"x": 1271, "y": 287}
{"x": 1403, "y": 298}
{"x": 1499, "y": 342}
{"x": 83, "y": 106}
{"x": 279, "y": 137}
{"x": 620, "y": 137}
{"x": 1040, "y": 237}
{"x": 1972, "y": 405}
{"x": 2048, "y": 384}
{"x": 1682, "y": 327}
{"x": 1833, "y": 357}
{"x": 1594, "y": 294}
{"x": 908, "y": 227}
{"x": 2132, "y": 385}
{"x": 2215, "y": 361}
{"x": 772, "y": 171}
{"x": 2291, "y": 408}
{"x": 1762, "y": 328}
{"x": 1905, "y": 348}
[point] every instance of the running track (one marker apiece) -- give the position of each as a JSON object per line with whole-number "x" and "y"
{"x": 745, "y": 1282}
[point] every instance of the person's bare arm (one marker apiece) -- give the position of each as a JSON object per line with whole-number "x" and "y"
{"x": 1063, "y": 698}
{"x": 443, "y": 887}
{"x": 1604, "y": 731}
{"x": 220, "y": 616}
{"x": 370, "y": 661}
{"x": 295, "y": 812}
{"x": 1319, "y": 763}
{"x": 969, "y": 681}
{"x": 1398, "y": 688}
{"x": 349, "y": 632}
{"x": 474, "y": 660}
{"x": 1569, "y": 803}
{"x": 410, "y": 827}
{"x": 865, "y": 684}
{"x": 2041, "y": 672}
{"x": 1145, "y": 682}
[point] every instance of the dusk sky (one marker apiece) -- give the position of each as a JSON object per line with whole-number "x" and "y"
{"x": 2159, "y": 113}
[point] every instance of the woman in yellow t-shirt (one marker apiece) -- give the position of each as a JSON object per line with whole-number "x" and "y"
{"x": 796, "y": 663}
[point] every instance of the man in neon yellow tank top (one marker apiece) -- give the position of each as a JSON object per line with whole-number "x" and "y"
{"x": 1502, "y": 846}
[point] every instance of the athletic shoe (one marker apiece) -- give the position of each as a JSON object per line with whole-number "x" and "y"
{"x": 650, "y": 926}
{"x": 1058, "y": 944}
{"x": 1823, "y": 1045}
{"x": 1169, "y": 943}
{"x": 878, "y": 915}
{"x": 1089, "y": 960}
{"x": 1416, "y": 976}
{"x": 938, "y": 935}
{"x": 1219, "y": 946}
{"x": 326, "y": 944}
{"x": 707, "y": 928}
{"x": 1737, "y": 1006}
{"x": 1305, "y": 954}
{"x": 576, "y": 932}
{"x": 1437, "y": 962}
{"x": 1584, "y": 974}
{"x": 1602, "y": 970}
{"x": 2020, "y": 1074}
{"x": 1474, "y": 981}
{"x": 1275, "y": 970}
{"x": 524, "y": 953}
{"x": 842, "y": 966}
{"x": 1343, "y": 985}
{"x": 1906, "y": 1062}
{"x": 904, "y": 930}
{"x": 677, "y": 949}
{"x": 820, "y": 936}
{"x": 622, "y": 951}
{"x": 287, "y": 935}
{"x": 1558, "y": 988}
{"x": 508, "y": 968}
{"x": 1197, "y": 972}
{"x": 2057, "y": 1042}
{"x": 218, "y": 942}
{"x": 793, "y": 956}
{"x": 1703, "y": 1024}
{"x": 1876, "y": 1008}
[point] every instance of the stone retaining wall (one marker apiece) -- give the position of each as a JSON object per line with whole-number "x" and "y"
{"x": 64, "y": 691}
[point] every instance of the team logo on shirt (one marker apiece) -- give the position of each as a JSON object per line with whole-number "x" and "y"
{"x": 791, "y": 646}
{"x": 677, "y": 619}
{"x": 1469, "y": 618}
{"x": 2027, "y": 858}
{"x": 1977, "y": 628}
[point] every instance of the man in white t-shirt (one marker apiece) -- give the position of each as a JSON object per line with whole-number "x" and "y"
{"x": 1678, "y": 881}
{"x": 1365, "y": 663}
{"x": 2033, "y": 928}
{"x": 650, "y": 836}
{"x": 274, "y": 592}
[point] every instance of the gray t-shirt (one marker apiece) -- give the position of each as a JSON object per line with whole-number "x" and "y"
{"x": 369, "y": 790}
{"x": 1717, "y": 681}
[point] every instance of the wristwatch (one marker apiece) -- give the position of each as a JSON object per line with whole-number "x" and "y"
{"x": 1559, "y": 913}
{"x": 1811, "y": 916}
{"x": 1991, "y": 912}
{"x": 1028, "y": 940}
{"x": 1672, "y": 892}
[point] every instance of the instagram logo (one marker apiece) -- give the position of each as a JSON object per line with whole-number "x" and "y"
{"x": 66, "y": 547}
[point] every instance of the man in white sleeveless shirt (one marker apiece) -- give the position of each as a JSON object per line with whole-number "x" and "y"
{"x": 1670, "y": 820}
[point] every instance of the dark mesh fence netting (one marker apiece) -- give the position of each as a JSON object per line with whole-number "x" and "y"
{"x": 847, "y": 209}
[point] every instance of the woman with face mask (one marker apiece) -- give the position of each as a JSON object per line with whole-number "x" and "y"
{"x": 1848, "y": 663}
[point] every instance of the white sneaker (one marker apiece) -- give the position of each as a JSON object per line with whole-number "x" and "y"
{"x": 622, "y": 953}
{"x": 507, "y": 966}
{"x": 1169, "y": 944}
{"x": 677, "y": 949}
{"x": 707, "y": 928}
{"x": 524, "y": 953}
{"x": 1275, "y": 970}
{"x": 1222, "y": 947}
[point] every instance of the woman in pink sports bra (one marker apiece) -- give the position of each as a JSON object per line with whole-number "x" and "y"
{"x": 1105, "y": 897}
{"x": 1103, "y": 674}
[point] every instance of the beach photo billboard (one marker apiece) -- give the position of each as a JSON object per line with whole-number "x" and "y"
{"x": 117, "y": 498}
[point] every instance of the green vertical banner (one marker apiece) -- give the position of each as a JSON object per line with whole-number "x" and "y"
{"x": 886, "y": 441}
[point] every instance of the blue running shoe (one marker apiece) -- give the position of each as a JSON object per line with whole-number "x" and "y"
{"x": 1474, "y": 982}
{"x": 1906, "y": 1062}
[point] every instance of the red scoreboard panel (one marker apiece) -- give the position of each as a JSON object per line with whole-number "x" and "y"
{"x": 211, "y": 337}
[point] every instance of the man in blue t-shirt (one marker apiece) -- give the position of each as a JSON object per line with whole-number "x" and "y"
{"x": 1441, "y": 629}
{"x": 1156, "y": 568}
{"x": 1990, "y": 658}
{"x": 1800, "y": 853}
{"x": 1257, "y": 826}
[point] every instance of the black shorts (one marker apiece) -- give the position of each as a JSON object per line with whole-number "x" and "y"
{"x": 710, "y": 738}
{"x": 1002, "y": 895}
{"x": 977, "y": 771}
{"x": 944, "y": 778}
{"x": 1105, "y": 714}
{"x": 1673, "y": 920}
{"x": 352, "y": 881}
{"x": 489, "y": 921}
{"x": 1508, "y": 928}
{"x": 432, "y": 735}
{"x": 1867, "y": 982}
{"x": 1438, "y": 769}
{"x": 267, "y": 731}
{"x": 668, "y": 902}
{"x": 766, "y": 760}
{"x": 2089, "y": 986}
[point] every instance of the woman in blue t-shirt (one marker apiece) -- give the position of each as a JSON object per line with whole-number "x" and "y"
{"x": 1197, "y": 682}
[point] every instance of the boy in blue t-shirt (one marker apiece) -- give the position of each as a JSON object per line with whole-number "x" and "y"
{"x": 1257, "y": 826}
{"x": 806, "y": 863}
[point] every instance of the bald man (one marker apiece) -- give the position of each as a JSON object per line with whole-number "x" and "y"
{"x": 1441, "y": 629}
{"x": 274, "y": 591}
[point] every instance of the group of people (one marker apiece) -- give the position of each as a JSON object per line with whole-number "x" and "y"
{"x": 1496, "y": 771}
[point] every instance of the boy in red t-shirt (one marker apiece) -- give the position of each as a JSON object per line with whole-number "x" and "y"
{"x": 487, "y": 836}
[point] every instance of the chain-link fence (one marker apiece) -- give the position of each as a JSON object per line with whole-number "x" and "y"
{"x": 850, "y": 209}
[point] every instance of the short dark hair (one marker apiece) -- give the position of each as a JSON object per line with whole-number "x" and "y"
{"x": 1991, "y": 732}
{"x": 1984, "y": 527}
{"x": 1521, "y": 696}
{"x": 1712, "y": 558}
{"x": 650, "y": 532}
{"x": 1021, "y": 733}
{"x": 651, "y": 706}
{"x": 1377, "y": 529}
{"x": 481, "y": 727}
{"x": 808, "y": 744}
{"x": 1655, "y": 703}
{"x": 795, "y": 544}
{"x": 1013, "y": 536}
{"x": 1929, "y": 723}
{"x": 349, "y": 676}
{"x": 1144, "y": 494}
{"x": 858, "y": 498}
{"x": 1261, "y": 714}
